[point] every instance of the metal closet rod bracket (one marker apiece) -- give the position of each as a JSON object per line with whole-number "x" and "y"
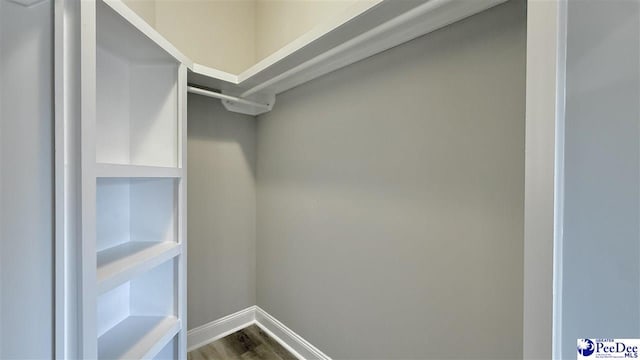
{"x": 234, "y": 103}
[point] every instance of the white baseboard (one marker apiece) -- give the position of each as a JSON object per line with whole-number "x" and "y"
{"x": 293, "y": 342}
{"x": 220, "y": 328}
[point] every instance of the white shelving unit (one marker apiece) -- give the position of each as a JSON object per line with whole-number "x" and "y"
{"x": 133, "y": 174}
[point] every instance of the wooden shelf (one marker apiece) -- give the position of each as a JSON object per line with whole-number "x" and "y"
{"x": 138, "y": 337}
{"x": 121, "y": 263}
{"x": 136, "y": 171}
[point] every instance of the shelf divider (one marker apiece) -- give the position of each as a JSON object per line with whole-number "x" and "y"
{"x": 136, "y": 171}
{"x": 121, "y": 263}
{"x": 138, "y": 337}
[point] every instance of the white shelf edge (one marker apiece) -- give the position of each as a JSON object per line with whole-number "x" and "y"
{"x": 164, "y": 339}
{"x": 126, "y": 268}
{"x": 139, "y": 23}
{"x": 148, "y": 345}
{"x": 421, "y": 20}
{"x": 314, "y": 34}
{"x": 401, "y": 26}
{"x": 215, "y": 73}
{"x": 136, "y": 171}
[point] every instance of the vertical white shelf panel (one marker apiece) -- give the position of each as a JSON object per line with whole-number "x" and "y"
{"x": 134, "y": 192}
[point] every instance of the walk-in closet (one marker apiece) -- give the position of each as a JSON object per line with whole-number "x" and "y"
{"x": 318, "y": 179}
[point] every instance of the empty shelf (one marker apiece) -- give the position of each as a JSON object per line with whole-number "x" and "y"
{"x": 138, "y": 337}
{"x": 121, "y": 263}
{"x": 136, "y": 171}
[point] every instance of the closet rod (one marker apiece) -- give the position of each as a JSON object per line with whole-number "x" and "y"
{"x": 213, "y": 94}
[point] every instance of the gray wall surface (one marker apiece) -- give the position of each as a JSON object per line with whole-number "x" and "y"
{"x": 221, "y": 211}
{"x": 26, "y": 181}
{"x": 390, "y": 199}
{"x": 600, "y": 271}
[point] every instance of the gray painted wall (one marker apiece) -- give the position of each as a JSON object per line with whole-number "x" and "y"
{"x": 26, "y": 181}
{"x": 221, "y": 211}
{"x": 390, "y": 199}
{"x": 601, "y": 274}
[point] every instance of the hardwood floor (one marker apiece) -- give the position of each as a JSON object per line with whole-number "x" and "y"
{"x": 250, "y": 343}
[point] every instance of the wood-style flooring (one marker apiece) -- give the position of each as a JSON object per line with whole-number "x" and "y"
{"x": 250, "y": 343}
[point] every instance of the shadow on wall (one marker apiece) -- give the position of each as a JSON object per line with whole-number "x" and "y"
{"x": 212, "y": 122}
{"x": 222, "y": 211}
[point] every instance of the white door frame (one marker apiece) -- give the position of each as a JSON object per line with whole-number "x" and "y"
{"x": 67, "y": 24}
{"x": 544, "y": 169}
